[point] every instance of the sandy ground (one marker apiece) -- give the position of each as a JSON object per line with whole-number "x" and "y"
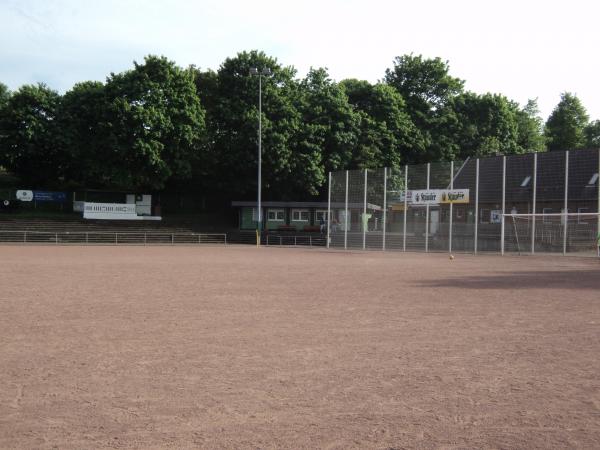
{"x": 239, "y": 347}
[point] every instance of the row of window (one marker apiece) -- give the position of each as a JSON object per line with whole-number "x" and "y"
{"x": 298, "y": 215}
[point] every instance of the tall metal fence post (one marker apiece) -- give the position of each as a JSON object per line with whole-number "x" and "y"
{"x": 502, "y": 226}
{"x": 427, "y": 212}
{"x": 346, "y": 216}
{"x": 329, "y": 210}
{"x": 598, "y": 210}
{"x": 384, "y": 206}
{"x": 365, "y": 222}
{"x": 475, "y": 236}
{"x": 451, "y": 210}
{"x": 405, "y": 207}
{"x": 534, "y": 201}
{"x": 566, "y": 206}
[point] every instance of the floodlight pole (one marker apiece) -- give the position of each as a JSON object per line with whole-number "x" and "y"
{"x": 427, "y": 211}
{"x": 384, "y": 206}
{"x": 264, "y": 72}
{"x": 451, "y": 209}
{"x": 535, "y": 163}
{"x": 475, "y": 236}
{"x": 502, "y": 225}
{"x": 566, "y": 205}
{"x": 328, "y": 224}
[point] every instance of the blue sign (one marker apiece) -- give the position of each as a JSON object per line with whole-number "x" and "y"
{"x": 43, "y": 196}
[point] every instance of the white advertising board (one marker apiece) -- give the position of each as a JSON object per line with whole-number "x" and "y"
{"x": 25, "y": 196}
{"x": 110, "y": 211}
{"x": 438, "y": 196}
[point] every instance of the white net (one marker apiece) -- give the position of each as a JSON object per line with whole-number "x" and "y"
{"x": 572, "y": 233}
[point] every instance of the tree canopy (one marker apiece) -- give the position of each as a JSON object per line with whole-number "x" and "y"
{"x": 159, "y": 126}
{"x": 565, "y": 128}
{"x": 30, "y": 144}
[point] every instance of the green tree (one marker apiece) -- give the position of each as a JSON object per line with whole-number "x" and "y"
{"x": 84, "y": 129}
{"x": 485, "y": 125}
{"x": 155, "y": 125}
{"x": 291, "y": 158}
{"x": 530, "y": 137}
{"x": 592, "y": 134}
{"x": 425, "y": 84}
{"x": 565, "y": 128}
{"x": 387, "y": 136}
{"x": 29, "y": 143}
{"x": 333, "y": 120}
{"x": 428, "y": 88}
{"x": 4, "y": 95}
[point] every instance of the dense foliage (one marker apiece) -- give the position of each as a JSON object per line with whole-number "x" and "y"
{"x": 160, "y": 126}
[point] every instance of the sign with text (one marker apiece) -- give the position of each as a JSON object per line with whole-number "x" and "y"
{"x": 46, "y": 196}
{"x": 110, "y": 211}
{"x": 25, "y": 196}
{"x": 438, "y": 196}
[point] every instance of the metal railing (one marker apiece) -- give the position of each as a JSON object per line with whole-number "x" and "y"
{"x": 110, "y": 238}
{"x": 294, "y": 240}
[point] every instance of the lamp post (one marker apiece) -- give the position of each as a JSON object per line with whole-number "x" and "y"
{"x": 263, "y": 72}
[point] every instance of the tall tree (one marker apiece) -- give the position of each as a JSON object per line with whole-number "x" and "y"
{"x": 291, "y": 150}
{"x": 485, "y": 125}
{"x": 427, "y": 87}
{"x": 156, "y": 125}
{"x": 4, "y": 95}
{"x": 425, "y": 84}
{"x": 592, "y": 134}
{"x": 231, "y": 96}
{"x": 325, "y": 106}
{"x": 530, "y": 137}
{"x": 387, "y": 136}
{"x": 565, "y": 126}
{"x": 84, "y": 129}
{"x": 29, "y": 144}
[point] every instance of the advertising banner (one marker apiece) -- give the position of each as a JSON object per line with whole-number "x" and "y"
{"x": 45, "y": 196}
{"x": 455, "y": 196}
{"x": 426, "y": 197}
{"x": 25, "y": 196}
{"x": 438, "y": 196}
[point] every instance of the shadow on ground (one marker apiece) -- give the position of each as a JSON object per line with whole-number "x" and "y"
{"x": 583, "y": 279}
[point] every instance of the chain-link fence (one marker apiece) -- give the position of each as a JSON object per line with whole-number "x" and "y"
{"x": 532, "y": 203}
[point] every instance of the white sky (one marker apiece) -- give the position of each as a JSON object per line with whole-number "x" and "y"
{"x": 520, "y": 48}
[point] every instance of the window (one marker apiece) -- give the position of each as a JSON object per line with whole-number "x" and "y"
{"x": 300, "y": 215}
{"x": 320, "y": 214}
{"x": 547, "y": 211}
{"x": 276, "y": 215}
{"x": 254, "y": 215}
{"x": 580, "y": 219}
{"x": 459, "y": 213}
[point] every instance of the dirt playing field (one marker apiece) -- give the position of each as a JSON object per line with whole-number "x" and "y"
{"x": 239, "y": 347}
